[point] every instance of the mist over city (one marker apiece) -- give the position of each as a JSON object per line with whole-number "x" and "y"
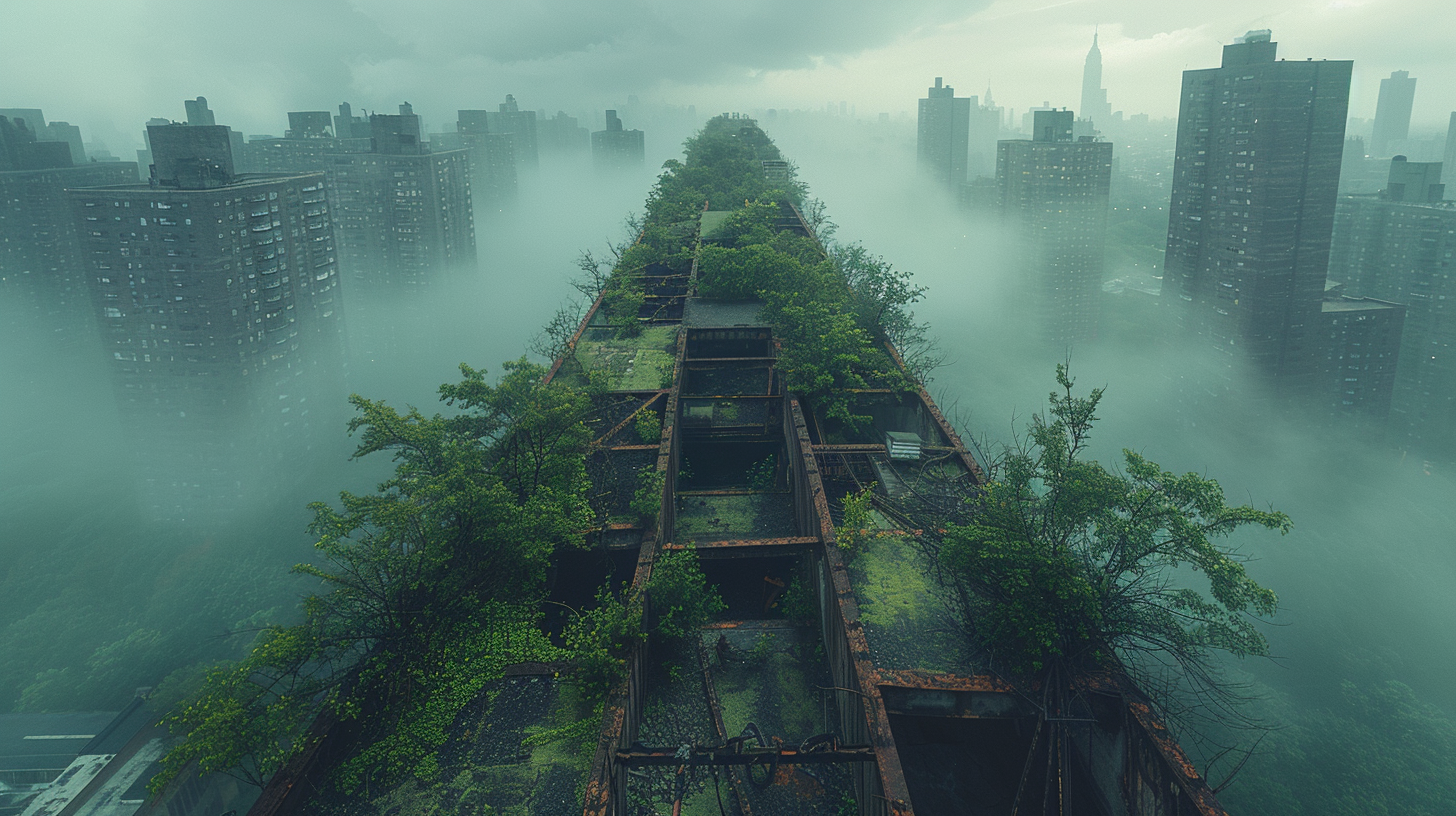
{"x": 637, "y": 409}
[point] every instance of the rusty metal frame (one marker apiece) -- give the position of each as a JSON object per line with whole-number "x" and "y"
{"x": 894, "y": 788}
{"x": 616, "y": 429}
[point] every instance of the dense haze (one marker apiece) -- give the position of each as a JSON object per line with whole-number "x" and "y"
{"x": 96, "y": 599}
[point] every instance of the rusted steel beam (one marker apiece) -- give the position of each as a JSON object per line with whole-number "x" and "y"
{"x": 759, "y": 624}
{"x": 1194, "y": 786}
{"x": 877, "y": 720}
{"x": 631, "y": 448}
{"x": 730, "y": 492}
{"x": 282, "y": 794}
{"x": 599, "y": 787}
{"x": 943, "y": 681}
{"x": 620, "y": 425}
{"x": 744, "y": 543}
{"x": 692, "y": 360}
{"x": 850, "y": 448}
{"x": 576, "y": 337}
{"x": 639, "y": 757}
{"x": 732, "y": 396}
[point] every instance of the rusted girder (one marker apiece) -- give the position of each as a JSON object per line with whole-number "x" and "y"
{"x": 743, "y": 547}
{"x": 630, "y": 417}
{"x": 643, "y": 756}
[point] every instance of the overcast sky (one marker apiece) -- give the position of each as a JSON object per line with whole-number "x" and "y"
{"x": 109, "y": 65}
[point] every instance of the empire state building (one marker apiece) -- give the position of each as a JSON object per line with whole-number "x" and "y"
{"x": 1094, "y": 96}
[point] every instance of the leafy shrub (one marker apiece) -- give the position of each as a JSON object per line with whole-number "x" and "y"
{"x": 682, "y": 600}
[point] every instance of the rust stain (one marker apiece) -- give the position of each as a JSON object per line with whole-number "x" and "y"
{"x": 942, "y": 681}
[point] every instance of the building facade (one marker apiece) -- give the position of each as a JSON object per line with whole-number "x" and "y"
{"x": 219, "y": 306}
{"x": 1053, "y": 192}
{"x": 402, "y": 212}
{"x": 1393, "y": 114}
{"x": 492, "y": 160}
{"x": 616, "y": 149}
{"x": 39, "y": 257}
{"x": 1360, "y": 353}
{"x": 1255, "y": 177}
{"x": 520, "y": 125}
{"x": 1404, "y": 251}
{"x": 1095, "y": 106}
{"x": 562, "y": 134}
{"x": 942, "y": 135}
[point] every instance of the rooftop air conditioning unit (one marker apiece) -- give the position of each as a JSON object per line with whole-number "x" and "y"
{"x": 902, "y": 445}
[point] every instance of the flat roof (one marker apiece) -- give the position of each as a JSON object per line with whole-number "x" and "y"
{"x": 239, "y": 181}
{"x": 709, "y": 313}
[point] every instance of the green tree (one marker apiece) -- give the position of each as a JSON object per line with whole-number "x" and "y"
{"x": 427, "y": 587}
{"x": 247, "y": 718}
{"x": 1066, "y": 565}
{"x": 825, "y": 357}
{"x": 682, "y": 599}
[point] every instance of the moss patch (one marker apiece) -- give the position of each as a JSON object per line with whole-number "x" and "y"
{"x": 904, "y": 618}
{"x": 634, "y": 363}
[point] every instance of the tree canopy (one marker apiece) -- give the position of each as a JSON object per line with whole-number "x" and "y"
{"x": 428, "y": 587}
{"x": 1064, "y": 565}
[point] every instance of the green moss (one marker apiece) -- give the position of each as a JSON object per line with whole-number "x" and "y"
{"x": 897, "y": 604}
{"x": 632, "y": 363}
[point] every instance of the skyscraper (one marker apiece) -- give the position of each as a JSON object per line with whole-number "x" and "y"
{"x": 1094, "y": 97}
{"x": 616, "y": 149}
{"x": 1053, "y": 192}
{"x": 1393, "y": 113}
{"x": 492, "y": 160}
{"x": 984, "y": 132}
{"x": 520, "y": 125}
{"x": 218, "y": 301}
{"x": 562, "y": 134}
{"x": 403, "y": 213}
{"x": 1359, "y": 355}
{"x": 1255, "y": 176}
{"x": 40, "y": 260}
{"x": 942, "y": 135}
{"x": 1397, "y": 246}
{"x": 1449, "y": 158}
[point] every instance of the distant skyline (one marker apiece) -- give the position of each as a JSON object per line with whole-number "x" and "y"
{"x": 109, "y": 66}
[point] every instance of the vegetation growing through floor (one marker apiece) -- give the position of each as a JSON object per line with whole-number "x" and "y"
{"x": 427, "y": 589}
{"x": 831, "y": 311}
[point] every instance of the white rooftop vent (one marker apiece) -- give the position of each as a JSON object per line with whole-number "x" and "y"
{"x": 902, "y": 445}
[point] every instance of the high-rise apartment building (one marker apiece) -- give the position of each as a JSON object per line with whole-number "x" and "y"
{"x": 492, "y": 160}
{"x": 218, "y": 302}
{"x": 616, "y": 149}
{"x": 981, "y": 137}
{"x": 1359, "y": 354}
{"x": 1095, "y": 106}
{"x": 1399, "y": 246}
{"x": 349, "y": 126}
{"x": 309, "y": 125}
{"x": 40, "y": 262}
{"x": 402, "y": 212}
{"x": 942, "y": 135}
{"x": 1053, "y": 192}
{"x": 71, "y": 135}
{"x": 1255, "y": 177}
{"x": 562, "y": 134}
{"x": 1393, "y": 114}
{"x": 520, "y": 125}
